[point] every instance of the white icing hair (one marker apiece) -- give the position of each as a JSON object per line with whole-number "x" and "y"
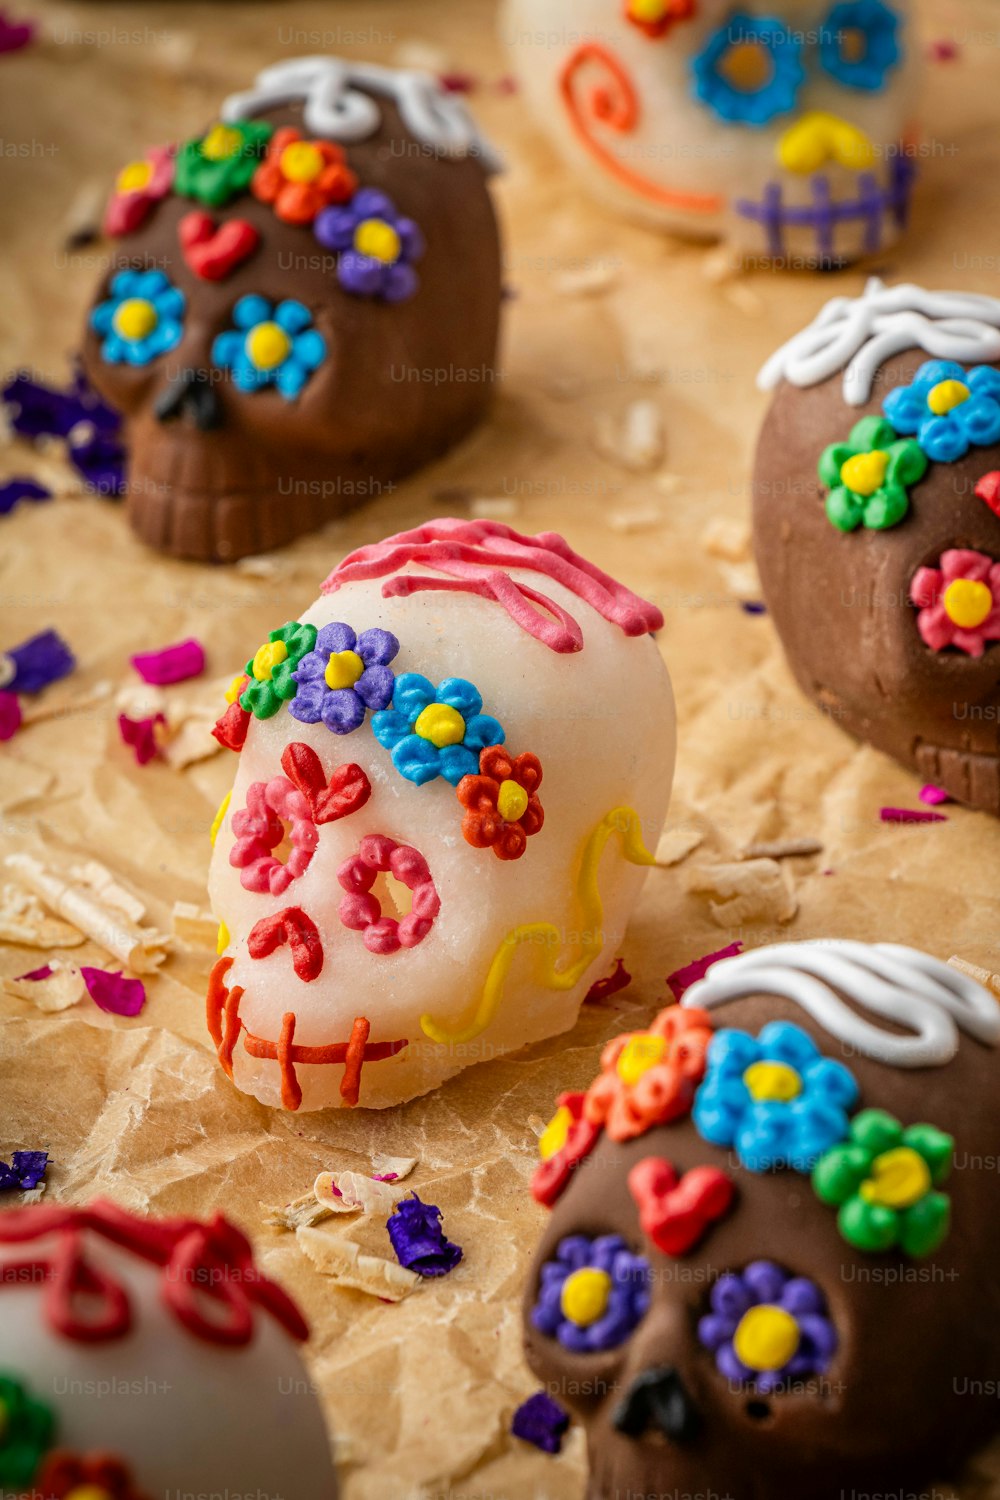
{"x": 927, "y": 997}
{"x": 340, "y": 100}
{"x": 857, "y": 334}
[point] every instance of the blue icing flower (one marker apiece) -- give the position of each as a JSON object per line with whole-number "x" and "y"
{"x": 949, "y": 408}
{"x": 270, "y": 345}
{"x": 774, "y": 1098}
{"x": 858, "y": 44}
{"x": 436, "y": 732}
{"x": 141, "y": 319}
{"x": 750, "y": 70}
{"x": 344, "y": 676}
{"x": 592, "y": 1293}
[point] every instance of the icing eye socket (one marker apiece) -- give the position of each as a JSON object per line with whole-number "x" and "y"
{"x": 767, "y": 1329}
{"x": 750, "y": 70}
{"x": 858, "y": 44}
{"x": 958, "y": 602}
{"x": 141, "y": 318}
{"x": 592, "y": 1294}
{"x": 383, "y": 877}
{"x": 270, "y": 344}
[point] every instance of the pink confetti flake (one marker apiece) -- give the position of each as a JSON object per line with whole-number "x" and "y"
{"x": 171, "y": 663}
{"x": 934, "y": 795}
{"x": 114, "y": 993}
{"x": 140, "y": 736}
{"x": 682, "y": 979}
{"x": 910, "y": 815}
{"x": 618, "y": 979}
{"x": 10, "y": 715}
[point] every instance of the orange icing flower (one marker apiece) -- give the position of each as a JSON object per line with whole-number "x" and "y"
{"x": 649, "y": 1077}
{"x": 300, "y": 177}
{"x": 502, "y": 806}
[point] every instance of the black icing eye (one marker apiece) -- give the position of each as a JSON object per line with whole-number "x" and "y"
{"x": 593, "y": 1293}
{"x": 767, "y": 1329}
{"x": 191, "y": 394}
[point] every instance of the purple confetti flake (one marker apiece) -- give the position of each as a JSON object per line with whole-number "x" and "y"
{"x": 21, "y": 487}
{"x": 171, "y": 663}
{"x": 934, "y": 796}
{"x": 753, "y": 607}
{"x": 910, "y": 815}
{"x": 418, "y": 1238}
{"x": 26, "y": 1171}
{"x": 10, "y": 715}
{"x": 542, "y": 1421}
{"x": 43, "y": 411}
{"x": 113, "y": 992}
{"x": 40, "y": 661}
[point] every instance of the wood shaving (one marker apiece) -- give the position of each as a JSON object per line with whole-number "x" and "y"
{"x": 493, "y": 508}
{"x": 353, "y": 1192}
{"x": 400, "y": 1166}
{"x": 190, "y": 740}
{"x": 677, "y": 843}
{"x": 753, "y": 890}
{"x": 727, "y": 539}
{"x": 637, "y": 518}
{"x": 742, "y": 579}
{"x": 637, "y": 442}
{"x": 23, "y": 921}
{"x": 103, "y": 883}
{"x": 986, "y": 979}
{"x": 300, "y": 1213}
{"x": 350, "y": 1267}
{"x": 137, "y": 948}
{"x": 61, "y": 989}
{"x": 591, "y": 280}
{"x": 195, "y": 928}
{"x": 783, "y": 849}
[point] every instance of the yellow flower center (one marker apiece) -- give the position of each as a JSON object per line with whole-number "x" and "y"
{"x": 343, "y": 669}
{"x": 301, "y": 162}
{"x": 267, "y": 658}
{"x": 967, "y": 603}
{"x": 134, "y": 318}
{"x": 585, "y": 1296}
{"x": 378, "y": 239}
{"x": 747, "y": 66}
{"x": 267, "y": 345}
{"x": 89, "y": 1492}
{"x": 134, "y": 177}
{"x": 772, "y": 1081}
{"x": 235, "y": 688}
{"x": 767, "y": 1338}
{"x": 899, "y": 1178}
{"x": 946, "y": 395}
{"x": 647, "y": 10}
{"x": 221, "y": 142}
{"x": 553, "y": 1138}
{"x": 441, "y": 725}
{"x": 865, "y": 472}
{"x": 511, "y": 801}
{"x": 640, "y": 1053}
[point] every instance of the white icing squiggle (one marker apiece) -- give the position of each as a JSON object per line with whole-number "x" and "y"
{"x": 927, "y": 997}
{"x": 338, "y": 102}
{"x": 860, "y": 333}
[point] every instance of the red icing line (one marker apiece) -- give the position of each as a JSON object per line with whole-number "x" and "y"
{"x": 478, "y": 555}
{"x": 350, "y": 1084}
{"x": 299, "y": 931}
{"x": 353, "y": 1054}
{"x": 291, "y": 1093}
{"x": 211, "y": 1260}
{"x": 618, "y": 979}
{"x": 222, "y": 1007}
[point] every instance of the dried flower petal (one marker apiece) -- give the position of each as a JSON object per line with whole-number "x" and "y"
{"x": 26, "y": 1171}
{"x": 42, "y": 411}
{"x": 39, "y": 661}
{"x": 418, "y": 1239}
{"x": 113, "y": 992}
{"x": 682, "y": 979}
{"x": 13, "y": 491}
{"x": 170, "y": 663}
{"x": 140, "y": 735}
{"x": 542, "y": 1421}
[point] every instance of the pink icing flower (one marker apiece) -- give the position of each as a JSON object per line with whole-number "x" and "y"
{"x": 959, "y": 602}
{"x": 138, "y": 187}
{"x": 260, "y": 828}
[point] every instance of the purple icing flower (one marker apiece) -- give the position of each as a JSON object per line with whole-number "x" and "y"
{"x": 767, "y": 1327}
{"x": 26, "y": 1170}
{"x": 418, "y": 1238}
{"x": 592, "y": 1293}
{"x": 343, "y": 676}
{"x": 542, "y": 1421}
{"x": 377, "y": 246}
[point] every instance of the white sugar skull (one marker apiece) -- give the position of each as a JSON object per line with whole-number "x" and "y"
{"x": 408, "y": 889}
{"x": 144, "y": 1358}
{"x": 783, "y": 126}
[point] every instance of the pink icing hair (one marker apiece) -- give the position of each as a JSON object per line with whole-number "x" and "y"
{"x": 475, "y": 556}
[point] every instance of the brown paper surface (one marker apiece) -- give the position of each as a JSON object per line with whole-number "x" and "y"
{"x": 420, "y": 1393}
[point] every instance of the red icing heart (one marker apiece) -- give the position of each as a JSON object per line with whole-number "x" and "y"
{"x": 346, "y": 791}
{"x": 675, "y": 1212}
{"x": 211, "y": 250}
{"x": 299, "y": 931}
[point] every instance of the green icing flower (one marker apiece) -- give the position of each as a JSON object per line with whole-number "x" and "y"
{"x": 869, "y": 476}
{"x": 883, "y": 1181}
{"x": 27, "y": 1428}
{"x": 271, "y": 671}
{"x": 220, "y": 164}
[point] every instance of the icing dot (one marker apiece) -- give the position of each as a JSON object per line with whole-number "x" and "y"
{"x": 766, "y": 1339}
{"x": 946, "y": 395}
{"x": 967, "y": 602}
{"x": 747, "y": 66}
{"x": 512, "y": 801}
{"x": 221, "y": 142}
{"x": 301, "y": 162}
{"x": 378, "y": 239}
{"x": 343, "y": 669}
{"x": 553, "y": 1138}
{"x": 267, "y": 346}
{"x": 235, "y": 688}
{"x": 772, "y": 1080}
{"x": 865, "y": 472}
{"x": 135, "y": 318}
{"x": 441, "y": 725}
{"x": 899, "y": 1179}
{"x": 267, "y": 658}
{"x": 585, "y": 1295}
{"x": 134, "y": 177}
{"x": 648, "y": 10}
{"x": 640, "y": 1053}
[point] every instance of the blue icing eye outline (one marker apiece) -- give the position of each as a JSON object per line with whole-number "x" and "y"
{"x": 878, "y": 25}
{"x": 140, "y": 319}
{"x": 592, "y": 1293}
{"x": 270, "y": 344}
{"x": 777, "y": 95}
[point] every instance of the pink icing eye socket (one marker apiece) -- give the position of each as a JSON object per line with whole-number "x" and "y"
{"x": 361, "y": 909}
{"x": 276, "y": 812}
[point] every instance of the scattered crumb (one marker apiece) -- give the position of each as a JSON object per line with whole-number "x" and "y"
{"x": 783, "y": 849}
{"x": 493, "y": 508}
{"x": 753, "y": 890}
{"x": 340, "y": 1259}
{"x": 677, "y": 843}
{"x": 586, "y": 281}
{"x": 635, "y": 518}
{"x": 667, "y": 484}
{"x": 743, "y": 298}
{"x": 728, "y": 539}
{"x": 636, "y": 442}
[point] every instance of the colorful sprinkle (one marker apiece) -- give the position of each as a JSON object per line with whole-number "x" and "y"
{"x": 541, "y": 1421}
{"x": 934, "y": 796}
{"x": 37, "y": 663}
{"x": 602, "y": 989}
{"x": 170, "y": 663}
{"x": 910, "y": 815}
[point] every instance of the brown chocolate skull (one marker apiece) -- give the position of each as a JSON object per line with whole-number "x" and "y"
{"x": 902, "y": 1400}
{"x": 217, "y": 472}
